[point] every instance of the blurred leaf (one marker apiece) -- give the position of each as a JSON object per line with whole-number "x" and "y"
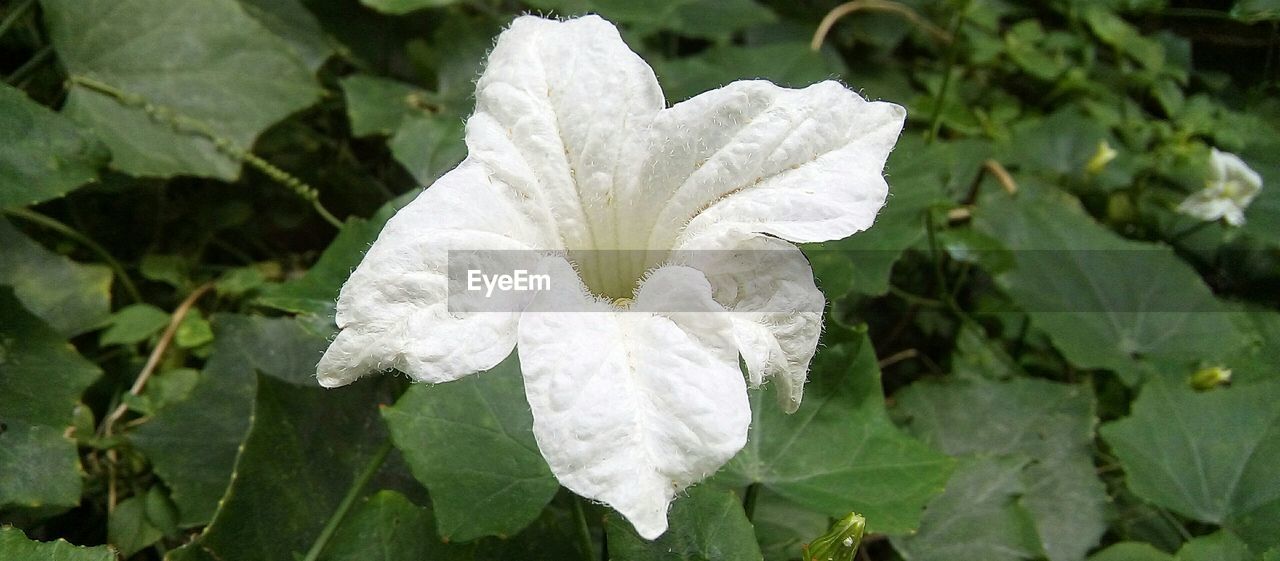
{"x": 45, "y": 155}
{"x": 405, "y": 6}
{"x": 1220, "y": 546}
{"x": 133, "y": 324}
{"x": 41, "y": 379}
{"x": 471, "y": 443}
{"x": 297, "y": 465}
{"x": 193, "y": 331}
{"x": 206, "y": 61}
{"x": 15, "y": 545}
{"x": 1076, "y": 280}
{"x": 1210, "y": 456}
{"x": 1131, "y": 551}
{"x": 71, "y": 297}
{"x": 706, "y": 524}
{"x": 1256, "y": 10}
{"x": 173, "y": 270}
{"x": 128, "y": 529}
{"x": 161, "y": 512}
{"x": 839, "y": 452}
{"x": 977, "y": 518}
{"x": 387, "y": 526}
{"x": 1117, "y": 32}
{"x": 192, "y": 444}
{"x": 1045, "y": 427}
{"x": 1264, "y": 214}
{"x": 291, "y": 21}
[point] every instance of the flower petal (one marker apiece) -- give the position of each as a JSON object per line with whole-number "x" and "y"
{"x": 556, "y": 113}
{"x": 804, "y": 165}
{"x": 630, "y": 407}
{"x": 393, "y": 310}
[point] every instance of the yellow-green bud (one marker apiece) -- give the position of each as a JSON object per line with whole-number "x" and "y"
{"x": 1101, "y": 158}
{"x": 1206, "y": 379}
{"x": 840, "y": 543}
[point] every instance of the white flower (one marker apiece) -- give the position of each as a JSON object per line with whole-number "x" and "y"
{"x": 1231, "y": 187}
{"x": 572, "y": 147}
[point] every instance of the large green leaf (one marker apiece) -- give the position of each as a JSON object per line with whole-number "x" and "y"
{"x": 1077, "y": 281}
{"x": 471, "y": 443}
{"x": 1221, "y": 546}
{"x": 192, "y": 444}
{"x": 1044, "y": 427}
{"x": 1131, "y": 551}
{"x": 839, "y": 452}
{"x": 71, "y": 297}
{"x": 305, "y": 450}
{"x": 15, "y": 545}
{"x": 707, "y": 524}
{"x": 977, "y": 518}
{"x": 1210, "y": 456}
{"x": 41, "y": 379}
{"x": 206, "y": 66}
{"x": 45, "y": 155}
{"x": 389, "y": 527}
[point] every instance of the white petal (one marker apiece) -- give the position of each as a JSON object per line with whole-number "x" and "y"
{"x": 393, "y": 310}
{"x": 557, "y": 109}
{"x": 776, "y": 308}
{"x": 630, "y": 407}
{"x": 805, "y": 165}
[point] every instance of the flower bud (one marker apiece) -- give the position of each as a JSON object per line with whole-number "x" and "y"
{"x": 1206, "y": 379}
{"x": 840, "y": 543}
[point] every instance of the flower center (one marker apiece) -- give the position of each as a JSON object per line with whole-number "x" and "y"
{"x": 613, "y": 274}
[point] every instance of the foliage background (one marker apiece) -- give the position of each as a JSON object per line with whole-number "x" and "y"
{"x": 1005, "y": 374}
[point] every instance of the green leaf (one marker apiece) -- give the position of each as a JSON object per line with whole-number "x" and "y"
{"x": 864, "y": 261}
{"x": 1256, "y": 10}
{"x": 1045, "y": 427}
{"x": 471, "y": 443}
{"x": 405, "y": 6}
{"x": 429, "y": 147}
{"x": 41, "y": 379}
{"x": 1076, "y": 281}
{"x": 706, "y": 525}
{"x": 291, "y": 21}
{"x": 1221, "y": 546}
{"x": 71, "y": 297}
{"x": 1263, "y": 216}
{"x": 133, "y": 324}
{"x": 387, "y": 526}
{"x": 378, "y": 105}
{"x": 839, "y": 452}
{"x": 193, "y": 331}
{"x": 789, "y": 63}
{"x": 1115, "y": 31}
{"x": 317, "y": 291}
{"x": 711, "y": 19}
{"x": 192, "y": 444}
{"x": 128, "y": 528}
{"x": 1210, "y": 456}
{"x": 783, "y": 526}
{"x": 977, "y": 518}
{"x": 207, "y": 66}
{"x": 15, "y": 545}
{"x": 302, "y": 455}
{"x": 45, "y": 155}
{"x": 1131, "y": 551}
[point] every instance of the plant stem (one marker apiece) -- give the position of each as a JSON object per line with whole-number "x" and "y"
{"x": 17, "y": 13}
{"x": 183, "y": 124}
{"x": 935, "y": 121}
{"x": 42, "y": 55}
{"x": 352, "y": 494}
{"x": 749, "y": 500}
{"x": 70, "y": 233}
{"x": 584, "y": 530}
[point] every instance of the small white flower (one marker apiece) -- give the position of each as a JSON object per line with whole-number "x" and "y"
{"x": 572, "y": 147}
{"x": 1229, "y": 190}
